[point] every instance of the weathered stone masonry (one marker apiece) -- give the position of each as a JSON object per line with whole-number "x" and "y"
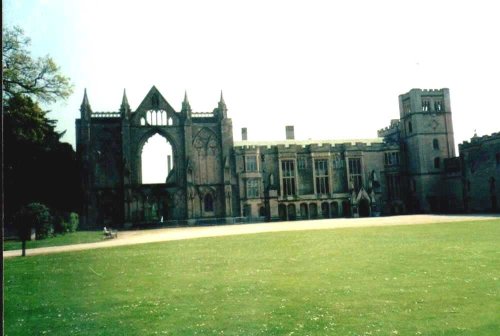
{"x": 410, "y": 168}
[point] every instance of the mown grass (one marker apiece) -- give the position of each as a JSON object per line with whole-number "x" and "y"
{"x": 78, "y": 237}
{"x": 440, "y": 279}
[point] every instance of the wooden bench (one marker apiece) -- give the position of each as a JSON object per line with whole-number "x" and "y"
{"x": 110, "y": 234}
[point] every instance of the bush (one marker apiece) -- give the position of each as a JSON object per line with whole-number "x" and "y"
{"x": 72, "y": 223}
{"x": 34, "y": 215}
{"x": 64, "y": 223}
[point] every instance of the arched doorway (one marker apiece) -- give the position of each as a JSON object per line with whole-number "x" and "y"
{"x": 364, "y": 207}
{"x": 325, "y": 210}
{"x": 208, "y": 205}
{"x": 334, "y": 208}
{"x": 292, "y": 215}
{"x": 282, "y": 212}
{"x": 346, "y": 209}
{"x": 313, "y": 210}
{"x": 304, "y": 213}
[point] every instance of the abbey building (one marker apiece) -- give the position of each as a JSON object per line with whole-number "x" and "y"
{"x": 411, "y": 167}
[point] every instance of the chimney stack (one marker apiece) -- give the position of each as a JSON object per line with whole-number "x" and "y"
{"x": 244, "y": 134}
{"x": 290, "y": 134}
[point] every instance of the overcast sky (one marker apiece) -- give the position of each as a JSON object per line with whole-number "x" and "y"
{"x": 334, "y": 69}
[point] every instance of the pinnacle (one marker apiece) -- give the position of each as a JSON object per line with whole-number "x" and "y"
{"x": 85, "y": 103}
{"x": 124, "y": 99}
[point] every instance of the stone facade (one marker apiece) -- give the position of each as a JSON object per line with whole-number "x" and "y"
{"x": 199, "y": 184}
{"x": 409, "y": 168}
{"x": 481, "y": 174}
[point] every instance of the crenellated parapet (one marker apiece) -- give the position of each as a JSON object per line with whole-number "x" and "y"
{"x": 476, "y": 140}
{"x": 390, "y": 130}
{"x": 376, "y": 144}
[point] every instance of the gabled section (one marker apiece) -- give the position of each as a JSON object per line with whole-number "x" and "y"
{"x": 154, "y": 103}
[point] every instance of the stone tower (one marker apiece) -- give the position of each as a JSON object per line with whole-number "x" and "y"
{"x": 426, "y": 134}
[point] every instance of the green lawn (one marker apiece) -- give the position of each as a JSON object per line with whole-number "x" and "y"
{"x": 67, "y": 239}
{"x": 410, "y": 280}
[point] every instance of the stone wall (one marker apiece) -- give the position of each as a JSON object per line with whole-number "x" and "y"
{"x": 481, "y": 159}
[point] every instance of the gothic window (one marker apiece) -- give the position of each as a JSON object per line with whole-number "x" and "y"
{"x": 288, "y": 177}
{"x": 355, "y": 173}
{"x": 497, "y": 157}
{"x": 156, "y": 118}
{"x": 251, "y": 163}
{"x": 410, "y": 128}
{"x": 208, "y": 203}
{"x": 206, "y": 160}
{"x": 435, "y": 144}
{"x": 437, "y": 163}
{"x": 252, "y": 188}
{"x": 321, "y": 172}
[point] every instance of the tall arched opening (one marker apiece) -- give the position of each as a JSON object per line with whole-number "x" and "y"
{"x": 157, "y": 160}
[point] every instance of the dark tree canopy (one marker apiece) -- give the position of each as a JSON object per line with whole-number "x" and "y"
{"x": 38, "y": 167}
{"x": 38, "y": 78}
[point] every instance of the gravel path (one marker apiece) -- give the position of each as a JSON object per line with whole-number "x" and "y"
{"x": 168, "y": 234}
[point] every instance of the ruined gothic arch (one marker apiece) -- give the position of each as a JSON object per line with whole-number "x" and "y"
{"x": 111, "y": 144}
{"x": 140, "y": 147}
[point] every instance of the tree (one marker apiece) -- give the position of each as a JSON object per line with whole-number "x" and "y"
{"x": 38, "y": 167}
{"x": 33, "y": 216}
{"x": 39, "y": 78}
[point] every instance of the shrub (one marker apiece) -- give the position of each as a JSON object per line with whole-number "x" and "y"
{"x": 34, "y": 215}
{"x": 64, "y": 223}
{"x": 72, "y": 223}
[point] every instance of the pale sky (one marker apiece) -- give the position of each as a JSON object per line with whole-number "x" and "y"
{"x": 333, "y": 69}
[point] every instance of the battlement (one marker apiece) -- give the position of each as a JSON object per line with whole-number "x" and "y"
{"x": 314, "y": 145}
{"x": 389, "y": 130}
{"x": 476, "y": 140}
{"x": 427, "y": 91}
